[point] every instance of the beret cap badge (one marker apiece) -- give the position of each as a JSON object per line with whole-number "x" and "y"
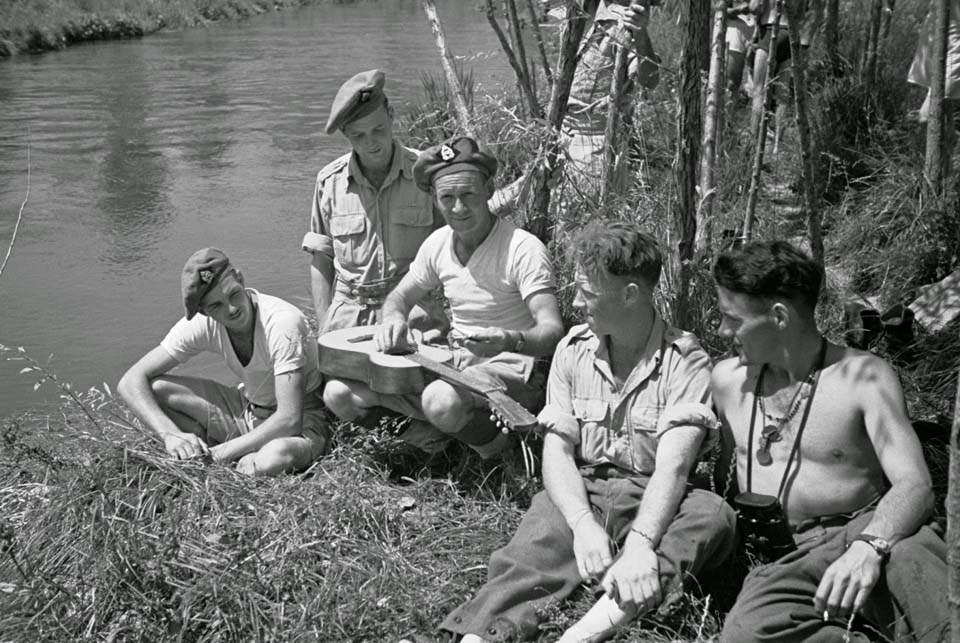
{"x": 447, "y": 153}
{"x": 206, "y": 276}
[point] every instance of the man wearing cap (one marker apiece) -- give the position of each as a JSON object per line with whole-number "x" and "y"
{"x": 368, "y": 218}
{"x": 501, "y": 289}
{"x": 273, "y": 422}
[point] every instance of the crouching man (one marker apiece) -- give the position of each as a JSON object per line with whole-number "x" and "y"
{"x": 500, "y": 285}
{"x": 274, "y": 422}
{"x": 628, "y": 412}
{"x": 835, "y": 490}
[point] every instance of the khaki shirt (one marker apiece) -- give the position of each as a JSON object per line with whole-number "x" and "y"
{"x": 669, "y": 387}
{"x": 370, "y": 234}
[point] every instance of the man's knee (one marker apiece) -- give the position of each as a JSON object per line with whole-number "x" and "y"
{"x": 169, "y": 391}
{"x": 444, "y": 407}
{"x": 338, "y": 396}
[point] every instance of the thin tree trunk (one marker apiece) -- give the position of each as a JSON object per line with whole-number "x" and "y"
{"x": 711, "y": 128}
{"x": 612, "y": 133}
{"x": 953, "y": 523}
{"x": 811, "y": 197}
{"x": 519, "y": 47}
{"x": 457, "y": 96}
{"x": 832, "y": 36}
{"x": 532, "y": 104}
{"x": 538, "y": 33}
{"x": 873, "y": 43}
{"x": 686, "y": 161}
{"x": 760, "y": 126}
{"x": 538, "y": 222}
{"x": 933, "y": 168}
{"x": 887, "y": 18}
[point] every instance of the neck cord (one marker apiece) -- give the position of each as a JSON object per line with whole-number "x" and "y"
{"x": 821, "y": 357}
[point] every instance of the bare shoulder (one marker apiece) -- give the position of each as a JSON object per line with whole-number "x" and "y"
{"x": 728, "y": 375}
{"x": 862, "y": 369}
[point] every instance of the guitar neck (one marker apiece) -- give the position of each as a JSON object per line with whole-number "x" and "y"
{"x": 452, "y": 375}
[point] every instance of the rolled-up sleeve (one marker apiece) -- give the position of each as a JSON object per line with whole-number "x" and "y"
{"x": 688, "y": 400}
{"x": 557, "y": 415}
{"x": 317, "y": 240}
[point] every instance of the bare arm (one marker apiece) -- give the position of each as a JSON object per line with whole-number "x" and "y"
{"x": 396, "y": 309}
{"x": 321, "y": 284}
{"x": 564, "y": 485}
{"x": 285, "y": 422}
{"x": 135, "y": 390}
{"x": 907, "y": 504}
{"x": 539, "y": 341}
{"x": 635, "y": 576}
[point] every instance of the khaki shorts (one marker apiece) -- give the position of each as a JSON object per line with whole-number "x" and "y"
{"x": 230, "y": 415}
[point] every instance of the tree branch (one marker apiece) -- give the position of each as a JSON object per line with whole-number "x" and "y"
{"x": 16, "y": 226}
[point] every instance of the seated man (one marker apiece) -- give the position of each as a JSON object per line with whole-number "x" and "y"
{"x": 275, "y": 421}
{"x": 628, "y": 412}
{"x": 500, "y": 285}
{"x": 825, "y": 449}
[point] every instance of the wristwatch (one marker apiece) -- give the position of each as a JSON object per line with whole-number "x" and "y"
{"x": 521, "y": 340}
{"x": 880, "y": 545}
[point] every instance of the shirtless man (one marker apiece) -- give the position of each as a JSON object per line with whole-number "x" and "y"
{"x": 500, "y": 285}
{"x": 276, "y": 421}
{"x": 824, "y": 430}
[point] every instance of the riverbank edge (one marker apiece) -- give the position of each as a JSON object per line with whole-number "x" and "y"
{"x": 73, "y": 24}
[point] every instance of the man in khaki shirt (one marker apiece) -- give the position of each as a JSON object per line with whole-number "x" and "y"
{"x": 368, "y": 217}
{"x": 628, "y": 412}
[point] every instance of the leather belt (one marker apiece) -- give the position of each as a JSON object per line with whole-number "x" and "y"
{"x": 370, "y": 294}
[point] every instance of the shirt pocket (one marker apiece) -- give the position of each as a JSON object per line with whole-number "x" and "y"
{"x": 410, "y": 225}
{"x": 348, "y": 232}
{"x": 643, "y": 437}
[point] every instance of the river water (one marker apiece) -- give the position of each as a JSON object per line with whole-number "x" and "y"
{"x": 143, "y": 151}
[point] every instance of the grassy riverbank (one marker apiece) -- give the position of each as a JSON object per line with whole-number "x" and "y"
{"x": 43, "y": 25}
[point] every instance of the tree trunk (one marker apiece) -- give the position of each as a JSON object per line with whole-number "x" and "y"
{"x": 522, "y": 78}
{"x": 538, "y": 220}
{"x": 689, "y": 131}
{"x": 538, "y": 33}
{"x": 832, "y": 36}
{"x": 887, "y": 18}
{"x": 612, "y": 133}
{"x": 933, "y": 168}
{"x": 760, "y": 127}
{"x": 519, "y": 47}
{"x": 711, "y": 129}
{"x": 953, "y": 524}
{"x": 811, "y": 197}
{"x": 873, "y": 43}
{"x": 457, "y": 95}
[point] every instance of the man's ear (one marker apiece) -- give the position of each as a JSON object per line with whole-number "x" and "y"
{"x": 238, "y": 275}
{"x": 630, "y": 293}
{"x": 491, "y": 187}
{"x": 782, "y": 315}
{"x": 390, "y": 112}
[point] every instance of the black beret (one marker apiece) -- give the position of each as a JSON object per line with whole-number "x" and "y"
{"x": 454, "y": 155}
{"x": 357, "y": 97}
{"x": 201, "y": 273}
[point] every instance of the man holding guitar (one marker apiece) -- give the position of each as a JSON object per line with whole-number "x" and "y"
{"x": 628, "y": 412}
{"x": 501, "y": 289}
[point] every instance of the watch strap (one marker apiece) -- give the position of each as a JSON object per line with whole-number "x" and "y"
{"x": 880, "y": 545}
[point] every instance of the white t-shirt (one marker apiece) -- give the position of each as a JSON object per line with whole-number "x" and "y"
{"x": 509, "y": 266}
{"x": 282, "y": 343}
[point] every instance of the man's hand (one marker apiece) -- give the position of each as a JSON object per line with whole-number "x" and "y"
{"x": 637, "y": 15}
{"x": 634, "y": 579}
{"x": 846, "y": 584}
{"x": 184, "y": 446}
{"x": 392, "y": 337}
{"x": 490, "y": 341}
{"x": 591, "y": 545}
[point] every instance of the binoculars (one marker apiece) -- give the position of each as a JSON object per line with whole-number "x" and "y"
{"x": 764, "y": 526}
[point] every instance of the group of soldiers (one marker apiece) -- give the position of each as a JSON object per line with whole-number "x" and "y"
{"x": 821, "y": 473}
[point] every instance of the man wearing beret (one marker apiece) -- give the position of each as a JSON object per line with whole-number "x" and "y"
{"x": 368, "y": 218}
{"x": 501, "y": 289}
{"x": 627, "y": 414}
{"x": 274, "y": 421}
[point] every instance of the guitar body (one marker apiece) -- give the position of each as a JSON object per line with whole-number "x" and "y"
{"x": 350, "y": 353}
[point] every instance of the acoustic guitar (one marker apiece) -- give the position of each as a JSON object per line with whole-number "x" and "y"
{"x": 351, "y": 353}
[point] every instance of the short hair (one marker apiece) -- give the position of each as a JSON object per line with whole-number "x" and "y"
{"x": 770, "y": 270}
{"x": 619, "y": 248}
